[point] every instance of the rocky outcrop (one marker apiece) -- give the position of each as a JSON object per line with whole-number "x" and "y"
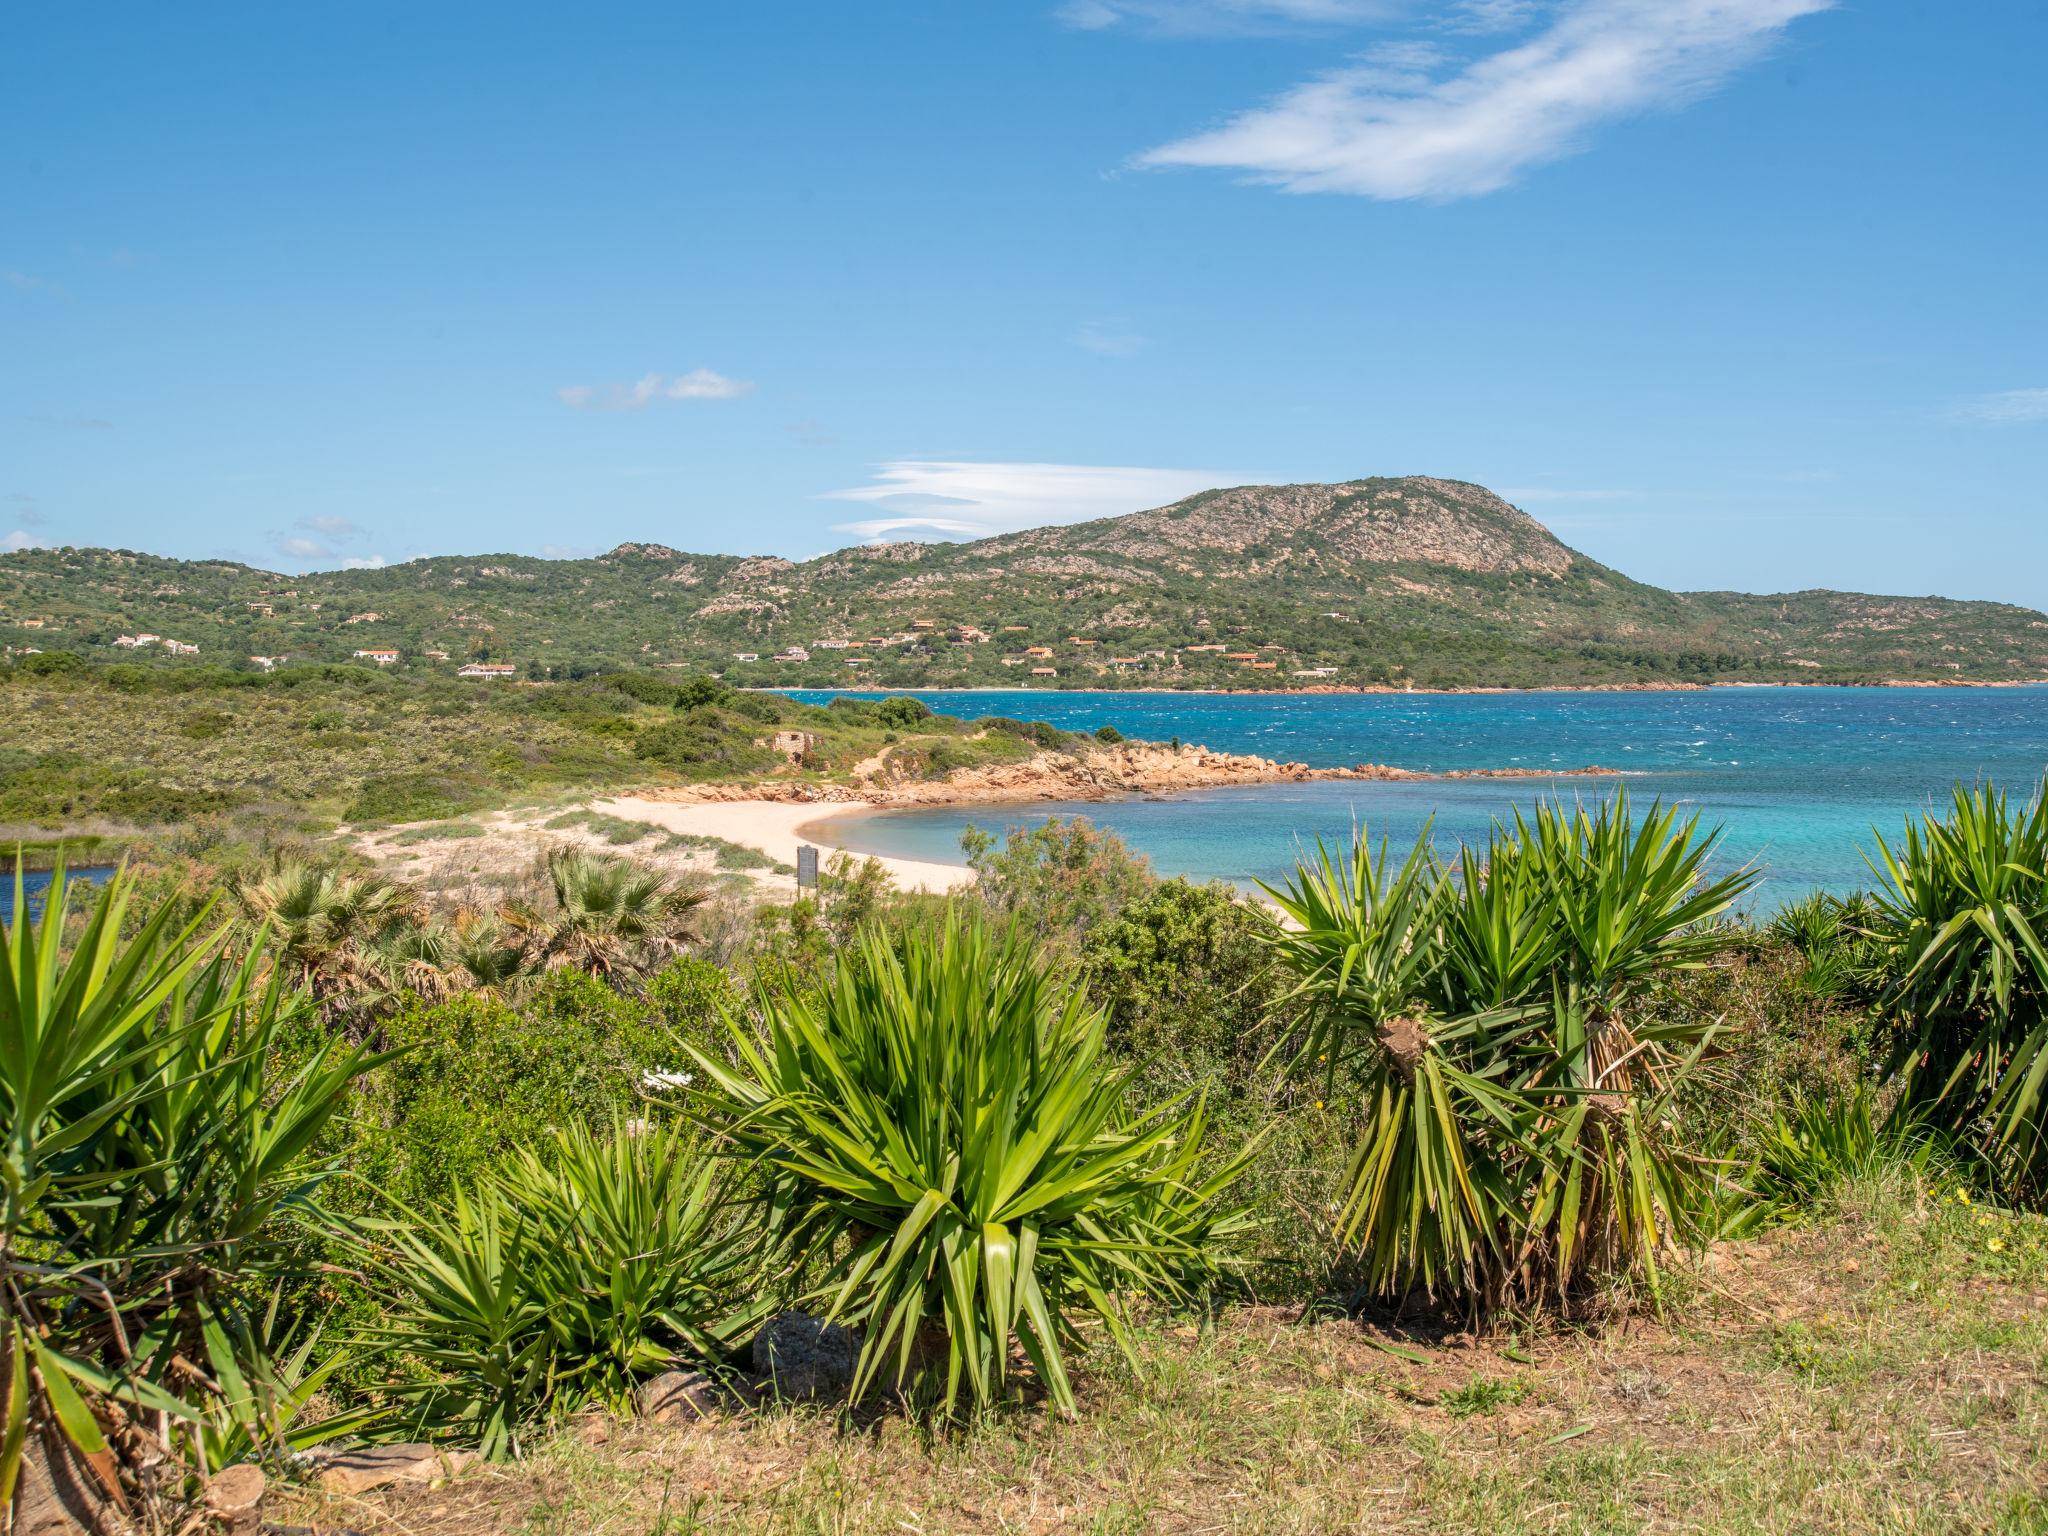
{"x": 1097, "y": 774}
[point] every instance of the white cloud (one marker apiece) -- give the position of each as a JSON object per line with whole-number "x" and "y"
{"x": 295, "y": 548}
{"x": 697, "y": 384}
{"x": 973, "y": 500}
{"x": 22, "y": 539}
{"x": 2006, "y": 408}
{"x": 1390, "y": 127}
{"x": 1225, "y": 17}
{"x": 1109, "y": 338}
{"x": 332, "y": 527}
{"x": 362, "y": 563}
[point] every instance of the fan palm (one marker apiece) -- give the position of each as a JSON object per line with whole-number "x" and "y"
{"x": 330, "y": 929}
{"x": 611, "y": 916}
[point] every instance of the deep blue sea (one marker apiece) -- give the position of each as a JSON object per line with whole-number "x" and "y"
{"x": 35, "y": 881}
{"x": 1795, "y": 777}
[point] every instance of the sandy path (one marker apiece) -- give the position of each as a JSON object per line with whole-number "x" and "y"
{"x": 776, "y": 829}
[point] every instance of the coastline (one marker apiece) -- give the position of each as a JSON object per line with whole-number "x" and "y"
{"x": 775, "y": 828}
{"x": 775, "y": 817}
{"x": 1383, "y": 689}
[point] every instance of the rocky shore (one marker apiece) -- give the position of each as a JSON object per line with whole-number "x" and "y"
{"x": 1098, "y": 774}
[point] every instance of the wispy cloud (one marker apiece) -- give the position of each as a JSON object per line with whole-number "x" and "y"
{"x": 26, "y": 512}
{"x": 293, "y": 547}
{"x": 2004, "y": 409}
{"x": 330, "y": 527}
{"x": 973, "y": 500}
{"x": 74, "y": 423}
{"x": 1109, "y": 338}
{"x": 22, "y": 539}
{"x": 697, "y": 384}
{"x": 363, "y": 563}
{"x": 1225, "y": 17}
{"x": 26, "y": 282}
{"x": 1401, "y": 124}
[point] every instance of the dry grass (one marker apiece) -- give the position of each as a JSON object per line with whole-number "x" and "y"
{"x": 1885, "y": 1372}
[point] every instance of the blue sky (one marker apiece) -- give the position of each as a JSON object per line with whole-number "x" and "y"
{"x": 1731, "y": 293}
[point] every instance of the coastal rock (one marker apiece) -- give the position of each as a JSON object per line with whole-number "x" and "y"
{"x": 1099, "y": 773}
{"x": 804, "y": 1356}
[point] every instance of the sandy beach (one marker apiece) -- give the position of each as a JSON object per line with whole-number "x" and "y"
{"x": 777, "y": 828}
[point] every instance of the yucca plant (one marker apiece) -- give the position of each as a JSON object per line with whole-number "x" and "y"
{"x": 1961, "y": 919}
{"x": 1427, "y": 1196}
{"x": 1627, "y": 903}
{"x": 153, "y": 1149}
{"x": 946, "y": 1140}
{"x": 563, "y": 1280}
{"x": 1517, "y": 1123}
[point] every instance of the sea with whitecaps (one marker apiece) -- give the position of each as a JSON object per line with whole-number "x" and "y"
{"x": 1799, "y": 780}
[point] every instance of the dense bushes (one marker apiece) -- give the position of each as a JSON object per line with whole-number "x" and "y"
{"x": 1016, "y": 1120}
{"x": 477, "y": 1078}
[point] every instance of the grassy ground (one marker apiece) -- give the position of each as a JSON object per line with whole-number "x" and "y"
{"x": 1885, "y": 1371}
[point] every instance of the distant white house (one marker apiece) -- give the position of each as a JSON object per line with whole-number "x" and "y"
{"x": 380, "y": 655}
{"x": 488, "y": 670}
{"x": 794, "y": 653}
{"x": 267, "y": 663}
{"x": 745, "y": 656}
{"x": 135, "y": 642}
{"x": 180, "y": 648}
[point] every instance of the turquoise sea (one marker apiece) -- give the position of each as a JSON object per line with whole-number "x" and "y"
{"x": 1796, "y": 777}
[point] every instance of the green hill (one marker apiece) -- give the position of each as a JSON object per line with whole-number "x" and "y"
{"x": 1411, "y": 581}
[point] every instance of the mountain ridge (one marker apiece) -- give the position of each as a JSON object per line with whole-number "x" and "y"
{"x": 1383, "y": 581}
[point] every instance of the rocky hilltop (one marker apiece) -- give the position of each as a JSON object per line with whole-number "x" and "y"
{"x": 1411, "y": 582}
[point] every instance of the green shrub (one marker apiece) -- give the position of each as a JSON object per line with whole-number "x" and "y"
{"x": 561, "y": 1280}
{"x": 945, "y": 1138}
{"x": 160, "y": 1147}
{"x": 1960, "y": 924}
{"x": 1062, "y": 879}
{"x": 479, "y": 1078}
{"x": 395, "y": 797}
{"x": 1184, "y": 974}
{"x": 699, "y": 743}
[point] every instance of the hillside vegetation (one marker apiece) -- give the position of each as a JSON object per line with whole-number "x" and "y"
{"x": 88, "y": 747}
{"x": 1379, "y": 582}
